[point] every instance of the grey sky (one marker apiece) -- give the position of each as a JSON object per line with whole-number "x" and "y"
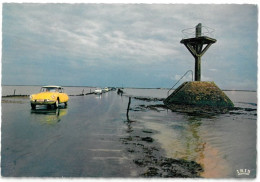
{"x": 134, "y": 45}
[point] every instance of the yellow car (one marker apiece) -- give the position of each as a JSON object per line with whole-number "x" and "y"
{"x": 49, "y": 95}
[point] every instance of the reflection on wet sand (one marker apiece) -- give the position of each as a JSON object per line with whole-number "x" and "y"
{"x": 49, "y": 116}
{"x": 205, "y": 154}
{"x": 214, "y": 166}
{"x": 184, "y": 140}
{"x": 153, "y": 161}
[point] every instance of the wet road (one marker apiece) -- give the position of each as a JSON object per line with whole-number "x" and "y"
{"x": 80, "y": 140}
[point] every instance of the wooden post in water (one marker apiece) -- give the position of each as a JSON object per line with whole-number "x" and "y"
{"x": 128, "y": 107}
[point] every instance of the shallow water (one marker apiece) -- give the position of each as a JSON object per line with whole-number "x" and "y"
{"x": 222, "y": 144}
{"x": 80, "y": 140}
{"x": 83, "y": 140}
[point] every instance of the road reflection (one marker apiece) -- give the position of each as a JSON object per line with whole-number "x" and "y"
{"x": 49, "y": 116}
{"x": 98, "y": 96}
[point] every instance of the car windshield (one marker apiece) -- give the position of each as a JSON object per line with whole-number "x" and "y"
{"x": 51, "y": 89}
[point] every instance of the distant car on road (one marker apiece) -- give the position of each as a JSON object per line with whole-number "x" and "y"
{"x": 105, "y": 89}
{"x": 50, "y": 96}
{"x": 98, "y": 91}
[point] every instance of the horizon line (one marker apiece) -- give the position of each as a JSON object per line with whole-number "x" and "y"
{"x": 249, "y": 90}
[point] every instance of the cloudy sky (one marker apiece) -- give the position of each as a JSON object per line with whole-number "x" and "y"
{"x": 130, "y": 45}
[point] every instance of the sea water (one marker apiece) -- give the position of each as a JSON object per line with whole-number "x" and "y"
{"x": 83, "y": 140}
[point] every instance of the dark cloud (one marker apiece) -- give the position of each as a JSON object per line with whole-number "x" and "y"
{"x": 139, "y": 42}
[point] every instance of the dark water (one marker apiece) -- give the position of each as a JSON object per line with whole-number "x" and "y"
{"x": 84, "y": 139}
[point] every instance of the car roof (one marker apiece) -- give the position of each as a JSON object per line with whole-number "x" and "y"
{"x": 51, "y": 86}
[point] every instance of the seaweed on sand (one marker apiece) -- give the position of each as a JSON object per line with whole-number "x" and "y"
{"x": 151, "y": 161}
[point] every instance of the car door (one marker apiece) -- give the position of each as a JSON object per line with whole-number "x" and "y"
{"x": 63, "y": 97}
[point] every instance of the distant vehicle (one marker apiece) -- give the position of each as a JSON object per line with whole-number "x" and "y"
{"x": 50, "y": 96}
{"x": 98, "y": 91}
{"x": 105, "y": 89}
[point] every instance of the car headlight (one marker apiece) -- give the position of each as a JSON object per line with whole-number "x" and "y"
{"x": 31, "y": 96}
{"x": 53, "y": 96}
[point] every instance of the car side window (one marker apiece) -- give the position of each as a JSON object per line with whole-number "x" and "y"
{"x": 44, "y": 90}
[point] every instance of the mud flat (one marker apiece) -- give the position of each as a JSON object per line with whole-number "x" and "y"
{"x": 15, "y": 96}
{"x": 149, "y": 157}
{"x": 147, "y": 153}
{"x": 191, "y": 109}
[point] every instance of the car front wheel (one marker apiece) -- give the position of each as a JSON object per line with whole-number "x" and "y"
{"x": 33, "y": 106}
{"x": 56, "y": 105}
